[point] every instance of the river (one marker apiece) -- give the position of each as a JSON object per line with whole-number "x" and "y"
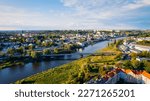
{"x": 10, "y": 75}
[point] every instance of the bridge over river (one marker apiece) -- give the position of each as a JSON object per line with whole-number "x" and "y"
{"x": 74, "y": 56}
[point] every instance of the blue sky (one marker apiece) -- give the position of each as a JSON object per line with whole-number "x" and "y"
{"x": 74, "y": 14}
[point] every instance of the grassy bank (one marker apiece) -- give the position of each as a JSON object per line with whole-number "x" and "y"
{"x": 78, "y": 71}
{"x": 10, "y": 64}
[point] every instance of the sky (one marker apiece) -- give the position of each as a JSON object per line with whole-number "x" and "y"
{"x": 74, "y": 14}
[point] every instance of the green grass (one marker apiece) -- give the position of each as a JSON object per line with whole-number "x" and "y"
{"x": 10, "y": 64}
{"x": 58, "y": 75}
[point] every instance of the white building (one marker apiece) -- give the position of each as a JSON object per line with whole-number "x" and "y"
{"x": 129, "y": 76}
{"x": 142, "y": 48}
{"x": 142, "y": 39}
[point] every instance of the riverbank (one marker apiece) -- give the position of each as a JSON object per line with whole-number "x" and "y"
{"x": 78, "y": 71}
{"x": 10, "y": 64}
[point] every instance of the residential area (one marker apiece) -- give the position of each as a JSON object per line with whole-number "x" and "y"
{"x": 25, "y": 43}
{"x": 138, "y": 46}
{"x": 38, "y": 51}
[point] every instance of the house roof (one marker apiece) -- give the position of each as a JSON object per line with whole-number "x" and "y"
{"x": 146, "y": 74}
{"x": 137, "y": 72}
{"x": 119, "y": 70}
{"x": 106, "y": 78}
{"x": 111, "y": 74}
{"x": 128, "y": 71}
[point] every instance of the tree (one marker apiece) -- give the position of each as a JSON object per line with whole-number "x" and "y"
{"x": 10, "y": 51}
{"x": 115, "y": 41}
{"x": 46, "y": 51}
{"x": 119, "y": 42}
{"x": 147, "y": 66}
{"x": 144, "y": 54}
{"x": 56, "y": 50}
{"x": 118, "y": 65}
{"x": 133, "y": 56}
{"x": 68, "y": 46}
{"x": 81, "y": 76}
{"x": 50, "y": 44}
{"x": 35, "y": 54}
{"x": 147, "y": 69}
{"x": 45, "y": 44}
{"x": 127, "y": 65}
{"x": 138, "y": 65}
{"x": 31, "y": 47}
{"x": 108, "y": 44}
{"x": 20, "y": 50}
{"x": 38, "y": 42}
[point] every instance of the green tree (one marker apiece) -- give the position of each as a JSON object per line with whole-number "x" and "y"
{"x": 45, "y": 44}
{"x": 133, "y": 56}
{"x": 127, "y": 64}
{"x": 20, "y": 50}
{"x": 144, "y": 54}
{"x": 50, "y": 43}
{"x": 118, "y": 65}
{"x": 119, "y": 42}
{"x": 147, "y": 69}
{"x": 81, "y": 76}
{"x": 10, "y": 51}
{"x": 31, "y": 47}
{"x": 68, "y": 46}
{"x": 56, "y": 50}
{"x": 108, "y": 44}
{"x": 147, "y": 66}
{"x": 138, "y": 65}
{"x": 35, "y": 54}
{"x": 38, "y": 42}
{"x": 46, "y": 51}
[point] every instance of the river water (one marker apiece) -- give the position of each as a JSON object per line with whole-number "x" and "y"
{"x": 10, "y": 75}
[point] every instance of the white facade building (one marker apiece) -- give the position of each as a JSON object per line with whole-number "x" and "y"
{"x": 142, "y": 48}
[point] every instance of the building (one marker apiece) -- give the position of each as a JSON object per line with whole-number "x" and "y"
{"x": 128, "y": 76}
{"x": 143, "y": 39}
{"x": 135, "y": 51}
{"x": 142, "y": 48}
{"x": 142, "y": 59}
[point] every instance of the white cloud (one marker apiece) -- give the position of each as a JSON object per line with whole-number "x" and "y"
{"x": 8, "y": 28}
{"x": 17, "y": 18}
{"x": 104, "y": 8}
{"x": 86, "y": 14}
{"x": 137, "y": 4}
{"x": 102, "y": 11}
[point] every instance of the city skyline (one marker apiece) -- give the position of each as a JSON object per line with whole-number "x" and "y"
{"x": 74, "y": 14}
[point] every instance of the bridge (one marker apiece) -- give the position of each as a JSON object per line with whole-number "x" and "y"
{"x": 68, "y": 54}
{"x": 93, "y": 54}
{"x": 72, "y": 56}
{"x": 75, "y": 56}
